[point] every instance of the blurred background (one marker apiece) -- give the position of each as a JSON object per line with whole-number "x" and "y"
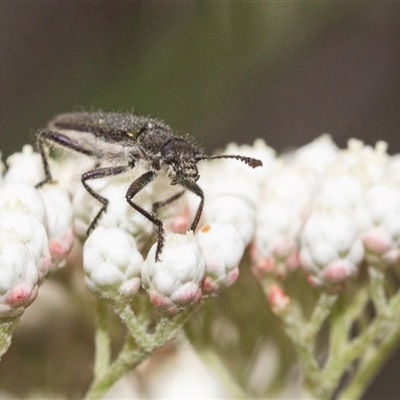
{"x": 222, "y": 71}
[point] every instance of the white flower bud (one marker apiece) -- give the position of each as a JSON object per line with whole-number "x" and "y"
{"x": 22, "y": 197}
{"x": 340, "y": 193}
{"x": 233, "y": 177}
{"x": 112, "y": 264}
{"x": 369, "y": 165}
{"x": 317, "y": 155}
{"x": 18, "y": 275}
{"x": 331, "y": 248}
{"x": 26, "y": 229}
{"x": 379, "y": 221}
{"x": 222, "y": 249}
{"x": 276, "y": 245}
{"x": 280, "y": 218}
{"x": 174, "y": 282}
{"x": 25, "y": 167}
{"x": 59, "y": 222}
{"x": 235, "y": 210}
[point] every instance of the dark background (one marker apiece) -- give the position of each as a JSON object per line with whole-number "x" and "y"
{"x": 223, "y": 71}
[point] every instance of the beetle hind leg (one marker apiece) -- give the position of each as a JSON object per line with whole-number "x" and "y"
{"x": 98, "y": 173}
{"x": 48, "y": 136}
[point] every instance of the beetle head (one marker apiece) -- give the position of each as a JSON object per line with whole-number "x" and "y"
{"x": 182, "y": 157}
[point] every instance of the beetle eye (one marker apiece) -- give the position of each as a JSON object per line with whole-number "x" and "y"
{"x": 169, "y": 156}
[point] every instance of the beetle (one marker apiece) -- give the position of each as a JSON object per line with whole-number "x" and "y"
{"x": 122, "y": 140}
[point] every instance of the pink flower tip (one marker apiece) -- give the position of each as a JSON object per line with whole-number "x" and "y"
{"x": 22, "y": 294}
{"x": 377, "y": 240}
{"x": 263, "y": 267}
{"x": 278, "y": 299}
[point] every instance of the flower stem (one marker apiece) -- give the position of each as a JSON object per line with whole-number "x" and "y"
{"x": 102, "y": 340}
{"x": 6, "y": 329}
{"x": 138, "y": 346}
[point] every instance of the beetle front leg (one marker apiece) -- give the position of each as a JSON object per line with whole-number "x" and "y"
{"x": 194, "y": 188}
{"x": 135, "y": 188}
{"x": 62, "y": 140}
{"x": 97, "y": 174}
{"x": 164, "y": 203}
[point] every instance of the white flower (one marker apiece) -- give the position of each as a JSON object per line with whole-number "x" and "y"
{"x": 222, "y": 249}
{"x": 379, "y": 220}
{"x": 24, "y": 228}
{"x": 59, "y": 222}
{"x": 18, "y": 275}
{"x": 174, "y": 282}
{"x": 317, "y": 155}
{"x": 112, "y": 264}
{"x": 235, "y": 210}
{"x": 369, "y": 165}
{"x": 234, "y": 177}
{"x": 341, "y": 192}
{"x": 331, "y": 247}
{"x": 22, "y": 197}
{"x": 25, "y": 167}
{"x": 276, "y": 245}
{"x": 280, "y": 218}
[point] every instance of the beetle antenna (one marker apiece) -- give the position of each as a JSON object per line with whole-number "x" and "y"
{"x": 252, "y": 162}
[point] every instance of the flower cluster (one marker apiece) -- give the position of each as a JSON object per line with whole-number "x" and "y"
{"x": 327, "y": 211}
{"x": 319, "y": 208}
{"x": 35, "y": 233}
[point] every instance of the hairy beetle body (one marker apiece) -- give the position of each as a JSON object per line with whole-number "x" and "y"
{"x": 118, "y": 142}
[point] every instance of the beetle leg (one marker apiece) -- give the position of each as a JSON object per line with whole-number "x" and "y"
{"x": 62, "y": 140}
{"x": 164, "y": 203}
{"x": 97, "y": 174}
{"x": 135, "y": 188}
{"x": 194, "y": 188}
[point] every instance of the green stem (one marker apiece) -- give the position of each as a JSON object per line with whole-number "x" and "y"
{"x": 377, "y": 289}
{"x": 385, "y": 331}
{"x": 138, "y": 346}
{"x": 128, "y": 359}
{"x": 102, "y": 340}
{"x": 369, "y": 366}
{"x": 6, "y": 329}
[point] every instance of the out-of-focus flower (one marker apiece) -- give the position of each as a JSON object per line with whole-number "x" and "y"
{"x": 278, "y": 299}
{"x": 112, "y": 264}
{"x": 379, "y": 219}
{"x": 174, "y": 282}
{"x": 315, "y": 156}
{"x": 369, "y": 165}
{"x": 233, "y": 177}
{"x": 222, "y": 249}
{"x": 234, "y": 210}
{"x": 281, "y": 215}
{"x": 331, "y": 249}
{"x": 25, "y": 166}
